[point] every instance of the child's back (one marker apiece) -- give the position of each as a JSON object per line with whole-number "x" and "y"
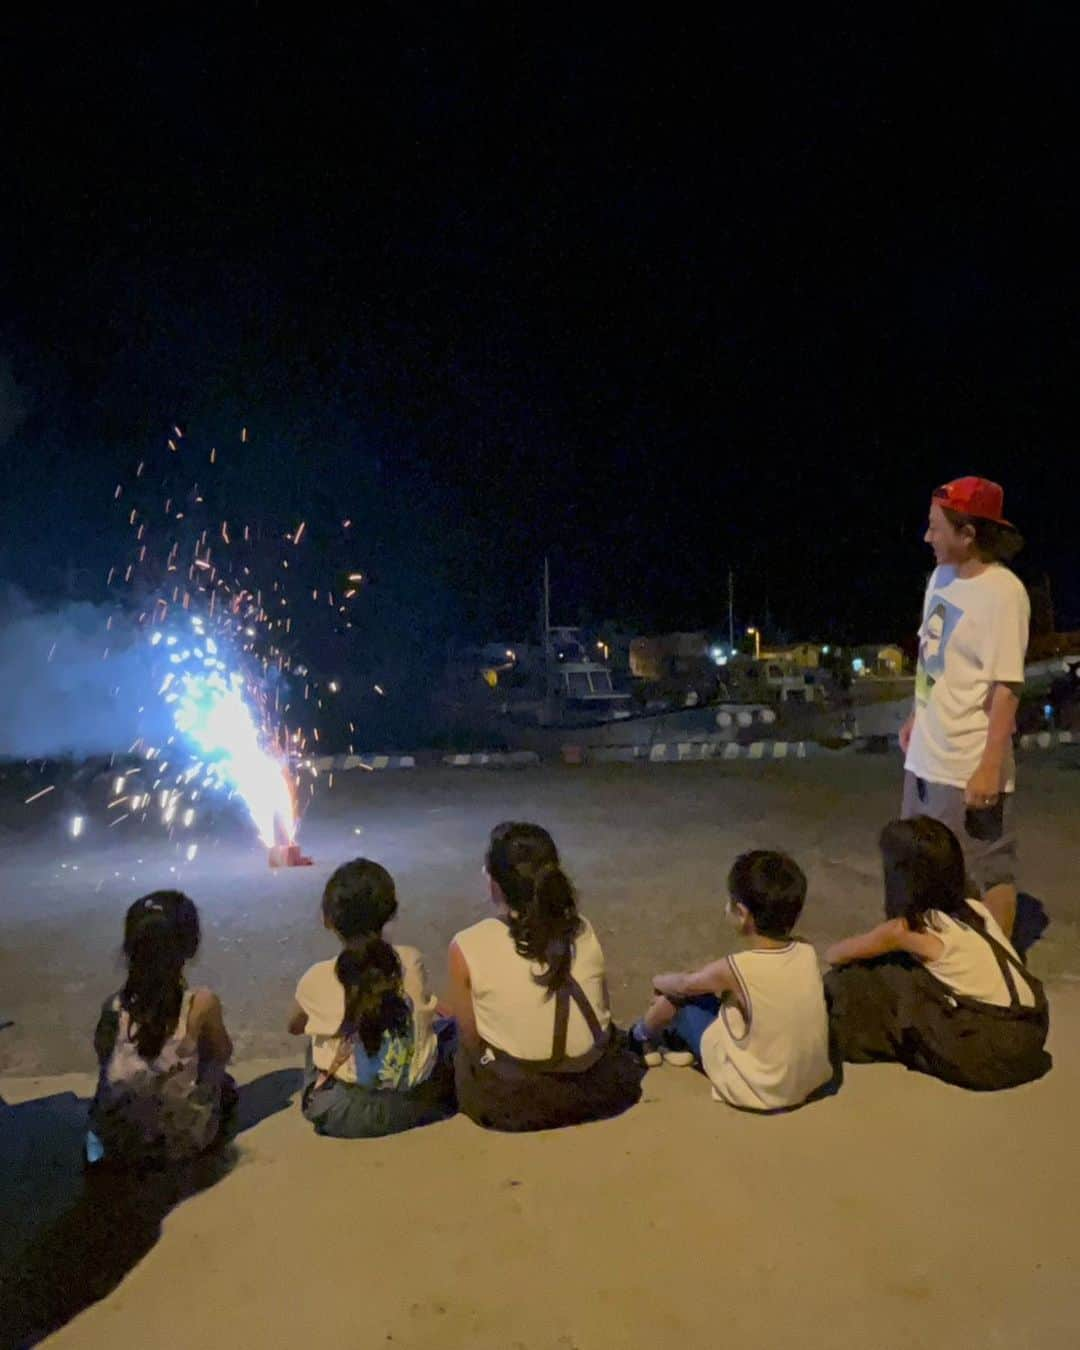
{"x": 780, "y": 1054}
{"x": 168, "y": 1106}
{"x": 161, "y": 1047}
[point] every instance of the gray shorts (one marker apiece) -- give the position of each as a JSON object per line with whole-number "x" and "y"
{"x": 987, "y": 835}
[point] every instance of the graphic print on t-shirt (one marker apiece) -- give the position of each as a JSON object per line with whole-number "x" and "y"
{"x": 939, "y": 626}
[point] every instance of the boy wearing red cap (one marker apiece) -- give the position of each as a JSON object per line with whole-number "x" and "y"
{"x": 957, "y": 742}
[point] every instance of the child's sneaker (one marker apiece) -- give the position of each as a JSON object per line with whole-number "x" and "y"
{"x": 678, "y": 1059}
{"x": 675, "y": 1053}
{"x": 641, "y": 1046}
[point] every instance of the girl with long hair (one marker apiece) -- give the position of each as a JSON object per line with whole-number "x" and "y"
{"x": 529, "y": 994}
{"x": 937, "y": 986}
{"x": 163, "y": 1093}
{"x": 378, "y": 1059}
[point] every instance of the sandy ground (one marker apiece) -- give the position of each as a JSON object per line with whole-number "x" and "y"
{"x": 900, "y": 1213}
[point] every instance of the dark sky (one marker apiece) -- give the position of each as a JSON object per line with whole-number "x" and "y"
{"x": 654, "y": 297}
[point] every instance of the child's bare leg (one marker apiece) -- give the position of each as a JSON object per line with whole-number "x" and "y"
{"x": 660, "y": 1015}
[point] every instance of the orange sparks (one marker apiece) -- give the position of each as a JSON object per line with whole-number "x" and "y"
{"x": 225, "y": 531}
{"x": 130, "y": 569}
{"x": 116, "y": 494}
{"x": 243, "y": 436}
{"x": 108, "y": 579}
{"x": 139, "y": 470}
{"x": 179, "y": 433}
{"x": 213, "y": 454}
{"x": 299, "y": 531}
{"x": 42, "y": 793}
{"x": 172, "y": 445}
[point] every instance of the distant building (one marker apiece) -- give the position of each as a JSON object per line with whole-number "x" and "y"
{"x": 879, "y": 658}
{"x": 801, "y": 656}
{"x": 668, "y": 655}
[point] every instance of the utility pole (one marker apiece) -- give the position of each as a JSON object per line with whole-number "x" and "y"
{"x": 731, "y": 609}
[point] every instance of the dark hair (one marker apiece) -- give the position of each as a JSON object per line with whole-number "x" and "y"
{"x": 772, "y": 887}
{"x": 161, "y": 932}
{"x": 359, "y": 900}
{"x": 524, "y": 863}
{"x": 994, "y": 542}
{"x": 924, "y": 870}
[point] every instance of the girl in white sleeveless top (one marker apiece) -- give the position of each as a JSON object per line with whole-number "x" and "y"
{"x": 163, "y": 1094}
{"x": 937, "y": 986}
{"x": 527, "y": 987}
{"x": 378, "y": 1059}
{"x": 756, "y": 1019}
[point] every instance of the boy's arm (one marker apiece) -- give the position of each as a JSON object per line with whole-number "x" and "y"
{"x": 460, "y": 998}
{"x": 985, "y": 784}
{"x": 891, "y": 936}
{"x": 715, "y": 978}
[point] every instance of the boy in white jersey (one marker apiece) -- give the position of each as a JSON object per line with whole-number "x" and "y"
{"x": 755, "y": 1020}
{"x": 957, "y": 742}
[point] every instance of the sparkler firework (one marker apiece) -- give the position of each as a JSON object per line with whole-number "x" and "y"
{"x": 212, "y": 609}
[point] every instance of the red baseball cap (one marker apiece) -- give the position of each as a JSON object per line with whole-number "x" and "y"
{"x": 974, "y": 497}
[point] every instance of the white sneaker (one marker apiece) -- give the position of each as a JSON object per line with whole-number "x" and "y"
{"x": 678, "y": 1059}
{"x": 652, "y": 1056}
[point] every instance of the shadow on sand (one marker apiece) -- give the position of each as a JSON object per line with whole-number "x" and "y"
{"x": 68, "y": 1238}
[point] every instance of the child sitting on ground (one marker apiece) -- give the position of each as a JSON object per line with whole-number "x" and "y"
{"x": 755, "y": 1020}
{"x": 529, "y": 991}
{"x": 377, "y": 1063}
{"x": 937, "y": 987}
{"x": 163, "y": 1094}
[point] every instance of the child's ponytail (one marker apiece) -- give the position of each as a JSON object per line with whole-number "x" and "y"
{"x": 524, "y": 862}
{"x": 161, "y": 933}
{"x": 359, "y": 900}
{"x": 374, "y": 1004}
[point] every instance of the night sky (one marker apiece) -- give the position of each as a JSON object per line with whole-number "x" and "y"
{"x": 653, "y": 297}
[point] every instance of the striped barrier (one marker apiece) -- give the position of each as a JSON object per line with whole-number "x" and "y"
{"x": 495, "y": 759}
{"x": 1048, "y": 740}
{"x": 682, "y": 752}
{"x": 343, "y": 763}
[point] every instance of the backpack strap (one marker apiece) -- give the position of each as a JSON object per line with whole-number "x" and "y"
{"x": 572, "y": 990}
{"x": 1007, "y": 963}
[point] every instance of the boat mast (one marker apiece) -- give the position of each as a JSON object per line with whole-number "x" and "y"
{"x": 731, "y": 609}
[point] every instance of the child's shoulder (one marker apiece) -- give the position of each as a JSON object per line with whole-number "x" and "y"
{"x": 316, "y": 975}
{"x": 487, "y": 925}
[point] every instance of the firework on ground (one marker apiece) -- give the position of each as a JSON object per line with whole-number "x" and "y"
{"x": 213, "y": 602}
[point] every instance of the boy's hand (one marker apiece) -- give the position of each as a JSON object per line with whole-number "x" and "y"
{"x": 905, "y": 733}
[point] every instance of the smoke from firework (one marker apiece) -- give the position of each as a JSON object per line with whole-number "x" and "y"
{"x": 73, "y": 682}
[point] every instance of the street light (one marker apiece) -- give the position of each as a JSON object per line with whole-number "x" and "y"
{"x": 757, "y": 642}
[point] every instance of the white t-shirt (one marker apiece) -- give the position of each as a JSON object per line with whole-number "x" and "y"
{"x": 779, "y": 1054}
{"x": 321, "y": 995}
{"x": 968, "y": 964}
{"x": 974, "y": 634}
{"x": 513, "y": 1012}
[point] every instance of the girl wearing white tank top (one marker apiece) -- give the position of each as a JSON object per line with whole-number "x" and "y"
{"x": 937, "y": 986}
{"x": 528, "y": 990}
